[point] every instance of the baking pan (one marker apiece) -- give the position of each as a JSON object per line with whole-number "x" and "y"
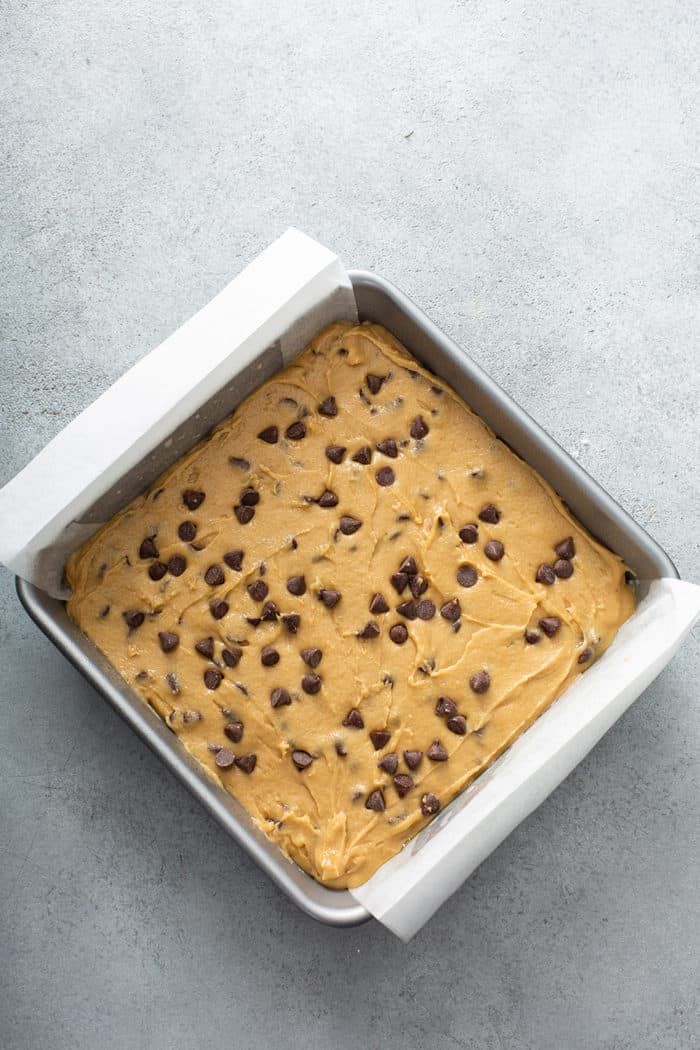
{"x": 377, "y": 300}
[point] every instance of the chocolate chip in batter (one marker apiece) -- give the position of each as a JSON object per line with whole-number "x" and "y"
{"x": 494, "y": 550}
{"x": 467, "y": 575}
{"x": 187, "y": 530}
{"x": 296, "y": 585}
{"x": 168, "y": 641}
{"x": 234, "y": 560}
{"x": 133, "y": 618}
{"x": 157, "y": 570}
{"x": 490, "y": 514}
{"x": 550, "y": 625}
{"x": 532, "y": 637}
{"x": 214, "y": 576}
{"x": 398, "y": 633}
{"x": 429, "y": 804}
{"x": 363, "y": 455}
{"x": 311, "y": 683}
{"x": 173, "y": 683}
{"x": 445, "y": 707}
{"x": 425, "y": 609}
{"x": 353, "y": 719}
{"x": 566, "y": 548}
{"x": 585, "y": 656}
{"x": 104, "y": 611}
{"x": 413, "y": 758}
{"x": 240, "y": 462}
{"x": 328, "y": 499}
{"x": 457, "y": 724}
{"x": 291, "y": 621}
{"x": 329, "y": 597}
{"x": 408, "y": 610}
{"x": 295, "y": 431}
{"x": 279, "y": 697}
{"x": 218, "y": 608}
{"x": 335, "y": 453}
{"x": 419, "y": 428}
{"x": 340, "y": 749}
{"x": 349, "y": 525}
{"x": 231, "y": 656}
{"x": 408, "y": 565}
{"x": 375, "y": 801}
{"x": 378, "y": 604}
{"x": 225, "y": 758}
{"x": 244, "y": 514}
{"x": 269, "y": 611}
{"x": 388, "y": 447}
{"x": 403, "y": 784}
{"x": 418, "y": 585}
{"x": 206, "y": 647}
{"x": 213, "y": 678}
{"x": 380, "y": 738}
{"x": 399, "y": 581}
{"x": 374, "y": 383}
{"x": 234, "y": 731}
{"x": 370, "y": 630}
{"x": 389, "y": 763}
{"x": 480, "y": 681}
{"x": 249, "y": 497}
{"x": 148, "y": 548}
{"x": 451, "y": 610}
{"x": 193, "y": 499}
{"x": 328, "y": 407}
{"x": 270, "y": 435}
{"x": 258, "y": 590}
{"x": 301, "y": 759}
{"x": 269, "y": 656}
{"x": 247, "y": 763}
{"x": 177, "y": 565}
{"x": 311, "y": 657}
{"x": 563, "y": 568}
{"x": 437, "y": 752}
{"x": 545, "y": 574}
{"x": 385, "y": 477}
{"x": 469, "y": 533}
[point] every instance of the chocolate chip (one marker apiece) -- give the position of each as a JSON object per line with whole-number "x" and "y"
{"x": 533, "y": 637}
{"x": 457, "y": 724}
{"x": 173, "y": 683}
{"x": 234, "y": 560}
{"x": 269, "y": 656}
{"x": 451, "y": 610}
{"x": 585, "y": 656}
{"x": 168, "y": 641}
{"x": 157, "y": 570}
{"x": 425, "y": 610}
{"x": 445, "y": 707}
{"x": 234, "y": 731}
{"x": 218, "y": 608}
{"x": 409, "y": 566}
{"x": 301, "y": 759}
{"x": 380, "y": 738}
{"x": 232, "y": 656}
{"x": 291, "y": 621}
{"x": 192, "y": 499}
{"x": 494, "y": 550}
{"x": 177, "y": 565}
{"x": 205, "y": 647}
{"x": 295, "y": 431}
{"x": 353, "y": 719}
{"x": 374, "y": 383}
{"x": 311, "y": 683}
{"x": 388, "y": 447}
{"x": 328, "y": 499}
{"x": 270, "y": 435}
{"x": 375, "y": 801}
{"x": 398, "y": 634}
{"x": 225, "y": 758}
{"x": 240, "y": 462}
{"x": 418, "y": 585}
{"x": 244, "y": 514}
{"x": 348, "y": 525}
{"x": 133, "y": 618}
{"x": 340, "y": 749}
{"x": 187, "y": 530}
{"x": 249, "y": 497}
{"x": 335, "y": 453}
{"x": 296, "y": 585}
{"x": 378, "y": 604}
{"x": 330, "y": 598}
{"x": 398, "y": 581}
{"x": 469, "y": 533}
{"x": 403, "y": 784}
{"x": 480, "y": 681}
{"x": 311, "y": 657}
{"x": 269, "y": 611}
{"x": 429, "y": 804}
{"x": 104, "y": 611}
{"x": 466, "y": 575}
{"x": 437, "y": 753}
{"x": 214, "y": 576}
{"x": 213, "y": 678}
{"x": 566, "y": 548}
{"x": 328, "y": 407}
{"x": 390, "y": 762}
{"x": 363, "y": 455}
{"x": 550, "y": 625}
{"x": 246, "y": 763}
{"x": 564, "y": 569}
{"x": 419, "y": 428}
{"x": 490, "y": 514}
{"x": 279, "y": 697}
{"x": 413, "y": 758}
{"x": 258, "y": 590}
{"x": 148, "y": 548}
{"x": 370, "y": 630}
{"x": 385, "y": 477}
{"x": 545, "y": 574}
{"x": 408, "y": 610}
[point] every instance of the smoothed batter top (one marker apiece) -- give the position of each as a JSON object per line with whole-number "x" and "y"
{"x": 348, "y": 600}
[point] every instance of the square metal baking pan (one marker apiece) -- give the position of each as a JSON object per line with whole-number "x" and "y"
{"x": 377, "y": 300}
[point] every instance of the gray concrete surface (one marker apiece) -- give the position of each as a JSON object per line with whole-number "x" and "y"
{"x": 528, "y": 173}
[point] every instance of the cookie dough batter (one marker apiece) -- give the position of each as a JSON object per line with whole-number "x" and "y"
{"x": 348, "y": 600}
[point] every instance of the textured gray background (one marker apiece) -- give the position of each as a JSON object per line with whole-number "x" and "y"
{"x": 528, "y": 173}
